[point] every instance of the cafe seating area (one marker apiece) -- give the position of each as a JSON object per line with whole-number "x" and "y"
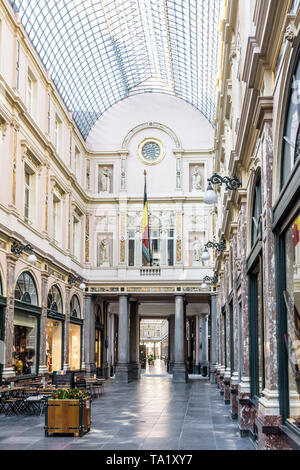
{"x": 29, "y": 396}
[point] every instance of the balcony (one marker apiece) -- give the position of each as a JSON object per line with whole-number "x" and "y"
{"x": 147, "y": 272}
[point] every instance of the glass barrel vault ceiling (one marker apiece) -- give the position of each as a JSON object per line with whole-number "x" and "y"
{"x": 101, "y": 51}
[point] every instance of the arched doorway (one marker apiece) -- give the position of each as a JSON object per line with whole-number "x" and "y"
{"x": 54, "y": 330}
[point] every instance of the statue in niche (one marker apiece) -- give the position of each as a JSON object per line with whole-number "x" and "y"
{"x": 105, "y": 177}
{"x": 104, "y": 252}
{"x": 196, "y": 178}
{"x": 196, "y": 251}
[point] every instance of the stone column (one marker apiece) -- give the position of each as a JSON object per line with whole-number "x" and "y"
{"x": 109, "y": 343}
{"x": 8, "y": 370}
{"x": 67, "y": 326}
{"x": 43, "y": 325}
{"x": 89, "y": 335}
{"x": 204, "y": 344}
{"x": 106, "y": 366}
{"x": 171, "y": 341}
{"x": 179, "y": 369}
{"x": 213, "y": 337}
{"x": 134, "y": 341}
{"x": 122, "y": 367}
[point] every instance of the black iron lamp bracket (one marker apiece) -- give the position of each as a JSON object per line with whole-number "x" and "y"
{"x": 232, "y": 183}
{"x": 219, "y": 246}
{"x": 17, "y": 248}
{"x": 213, "y": 280}
{"x": 72, "y": 279}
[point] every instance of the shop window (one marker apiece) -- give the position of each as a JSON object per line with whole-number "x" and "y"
{"x": 75, "y": 307}
{"x": 131, "y": 248}
{"x": 74, "y": 346}
{"x": 231, "y": 319}
{"x": 56, "y": 219}
{"x": 54, "y": 300}
{"x": 25, "y": 343}
{"x": 292, "y": 303}
{"x": 25, "y": 289}
{"x": 54, "y": 344}
{"x": 29, "y": 194}
{"x": 291, "y": 134}
{"x": 76, "y": 237}
{"x": 98, "y": 348}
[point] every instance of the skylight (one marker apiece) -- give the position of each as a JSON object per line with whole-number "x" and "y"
{"x": 101, "y": 51}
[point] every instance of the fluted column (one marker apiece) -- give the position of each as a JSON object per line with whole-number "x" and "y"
{"x": 171, "y": 341}
{"x": 123, "y": 366}
{"x": 179, "y": 369}
{"x": 8, "y": 370}
{"x": 43, "y": 325}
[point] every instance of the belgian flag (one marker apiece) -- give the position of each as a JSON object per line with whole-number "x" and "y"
{"x": 146, "y": 254}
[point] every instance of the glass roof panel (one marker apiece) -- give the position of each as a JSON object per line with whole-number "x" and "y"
{"x": 101, "y": 51}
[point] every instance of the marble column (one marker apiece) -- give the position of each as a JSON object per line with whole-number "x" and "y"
{"x": 123, "y": 366}
{"x": 179, "y": 369}
{"x": 8, "y": 369}
{"x": 106, "y": 366}
{"x": 213, "y": 337}
{"x": 134, "y": 341}
{"x": 43, "y": 325}
{"x": 204, "y": 344}
{"x": 89, "y": 334}
{"x": 109, "y": 344}
{"x": 172, "y": 344}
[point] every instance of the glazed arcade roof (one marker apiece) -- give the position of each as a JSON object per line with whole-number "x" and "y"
{"x": 101, "y": 51}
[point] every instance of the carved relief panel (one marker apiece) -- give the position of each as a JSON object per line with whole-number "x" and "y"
{"x": 105, "y": 249}
{"x": 196, "y": 177}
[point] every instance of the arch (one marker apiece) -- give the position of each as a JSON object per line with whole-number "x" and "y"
{"x": 75, "y": 309}
{"x": 25, "y": 289}
{"x": 54, "y": 299}
{"x": 152, "y": 125}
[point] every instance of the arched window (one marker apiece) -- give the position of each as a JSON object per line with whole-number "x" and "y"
{"x": 291, "y": 134}
{"x": 256, "y": 224}
{"x": 26, "y": 290}
{"x": 75, "y": 307}
{"x": 54, "y": 300}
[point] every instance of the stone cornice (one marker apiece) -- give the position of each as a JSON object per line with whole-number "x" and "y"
{"x": 263, "y": 111}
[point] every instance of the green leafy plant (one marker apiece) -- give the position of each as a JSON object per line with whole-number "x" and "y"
{"x": 69, "y": 394}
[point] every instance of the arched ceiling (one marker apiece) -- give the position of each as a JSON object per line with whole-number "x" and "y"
{"x": 99, "y": 52}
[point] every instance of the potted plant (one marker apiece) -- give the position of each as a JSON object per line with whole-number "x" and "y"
{"x": 150, "y": 360}
{"x": 68, "y": 411}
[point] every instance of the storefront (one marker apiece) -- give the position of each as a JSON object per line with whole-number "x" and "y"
{"x": 2, "y": 317}
{"x": 75, "y": 334}
{"x": 26, "y": 338}
{"x": 286, "y": 226}
{"x": 54, "y": 330}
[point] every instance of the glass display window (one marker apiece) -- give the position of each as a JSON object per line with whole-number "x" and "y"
{"x": 25, "y": 343}
{"x": 54, "y": 345}
{"x": 292, "y": 302}
{"x": 98, "y": 346}
{"x": 74, "y": 346}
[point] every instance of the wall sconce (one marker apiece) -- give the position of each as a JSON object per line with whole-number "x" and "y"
{"x": 206, "y": 279}
{"x": 219, "y": 247}
{"x": 72, "y": 279}
{"x": 232, "y": 183}
{"x": 17, "y": 249}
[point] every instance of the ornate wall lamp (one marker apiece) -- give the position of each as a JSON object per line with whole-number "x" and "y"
{"x": 219, "y": 247}
{"x": 73, "y": 279}
{"x": 232, "y": 183}
{"x": 212, "y": 280}
{"x": 18, "y": 248}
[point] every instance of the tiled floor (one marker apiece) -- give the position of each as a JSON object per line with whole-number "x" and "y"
{"x": 152, "y": 413}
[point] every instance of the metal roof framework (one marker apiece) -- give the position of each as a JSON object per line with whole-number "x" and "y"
{"x": 99, "y": 52}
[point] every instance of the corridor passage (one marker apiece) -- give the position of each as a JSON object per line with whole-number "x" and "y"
{"x": 158, "y": 369}
{"x": 153, "y": 413}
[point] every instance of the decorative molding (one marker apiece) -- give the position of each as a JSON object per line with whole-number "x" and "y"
{"x": 152, "y": 125}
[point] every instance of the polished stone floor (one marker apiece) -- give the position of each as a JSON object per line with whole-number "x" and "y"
{"x": 151, "y": 414}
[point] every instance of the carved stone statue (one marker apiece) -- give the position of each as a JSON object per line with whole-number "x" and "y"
{"x": 196, "y": 251}
{"x": 196, "y": 178}
{"x": 105, "y": 176}
{"x": 104, "y": 252}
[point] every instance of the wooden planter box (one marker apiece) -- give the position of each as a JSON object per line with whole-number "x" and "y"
{"x": 151, "y": 363}
{"x": 68, "y": 416}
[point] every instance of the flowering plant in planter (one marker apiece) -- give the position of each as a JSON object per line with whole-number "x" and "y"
{"x": 69, "y": 394}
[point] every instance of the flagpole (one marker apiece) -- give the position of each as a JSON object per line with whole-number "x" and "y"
{"x": 150, "y": 253}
